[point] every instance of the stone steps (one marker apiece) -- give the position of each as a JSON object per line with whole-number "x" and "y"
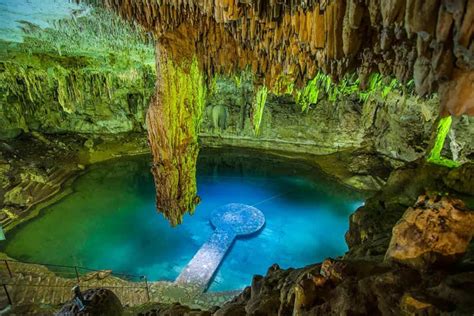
{"x": 36, "y": 284}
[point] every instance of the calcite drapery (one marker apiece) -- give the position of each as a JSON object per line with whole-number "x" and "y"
{"x": 428, "y": 40}
{"x": 173, "y": 120}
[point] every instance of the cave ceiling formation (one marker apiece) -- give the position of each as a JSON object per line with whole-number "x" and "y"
{"x": 285, "y": 42}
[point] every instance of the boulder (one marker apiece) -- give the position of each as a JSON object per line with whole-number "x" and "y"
{"x": 99, "y": 301}
{"x": 436, "y": 231}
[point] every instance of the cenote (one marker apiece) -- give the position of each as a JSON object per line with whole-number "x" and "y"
{"x": 110, "y": 221}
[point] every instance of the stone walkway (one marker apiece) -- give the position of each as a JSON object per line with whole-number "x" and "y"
{"x": 29, "y": 284}
{"x": 231, "y": 220}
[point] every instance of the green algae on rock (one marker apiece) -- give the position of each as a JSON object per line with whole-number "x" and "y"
{"x": 88, "y": 74}
{"x": 173, "y": 122}
{"x": 444, "y": 126}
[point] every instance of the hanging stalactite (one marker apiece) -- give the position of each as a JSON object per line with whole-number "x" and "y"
{"x": 426, "y": 40}
{"x": 173, "y": 121}
{"x": 286, "y": 44}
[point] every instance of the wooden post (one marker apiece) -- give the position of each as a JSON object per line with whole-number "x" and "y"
{"x": 8, "y": 268}
{"x": 77, "y": 274}
{"x": 7, "y": 294}
{"x": 147, "y": 290}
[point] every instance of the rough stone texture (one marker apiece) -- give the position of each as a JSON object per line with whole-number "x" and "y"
{"x": 100, "y": 302}
{"x": 285, "y": 45}
{"x": 75, "y": 77}
{"x": 435, "y": 231}
{"x": 37, "y": 169}
{"x": 461, "y": 179}
{"x": 353, "y": 288}
{"x": 398, "y": 127}
{"x": 370, "y": 226}
{"x": 429, "y": 41}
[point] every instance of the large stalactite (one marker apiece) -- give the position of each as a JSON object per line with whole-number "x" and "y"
{"x": 173, "y": 120}
{"x": 290, "y": 41}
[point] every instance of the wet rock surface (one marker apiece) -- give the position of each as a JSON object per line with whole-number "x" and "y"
{"x": 98, "y": 301}
{"x": 36, "y": 169}
{"x": 436, "y": 231}
{"x": 386, "y": 132}
{"x": 361, "y": 282}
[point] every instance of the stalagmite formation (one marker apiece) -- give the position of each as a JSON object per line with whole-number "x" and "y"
{"x": 430, "y": 41}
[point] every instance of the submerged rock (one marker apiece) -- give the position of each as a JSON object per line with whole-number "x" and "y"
{"x": 436, "y": 231}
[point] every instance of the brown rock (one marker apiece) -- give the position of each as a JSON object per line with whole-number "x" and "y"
{"x": 436, "y": 231}
{"x": 457, "y": 96}
{"x": 461, "y": 179}
{"x": 412, "y": 305}
{"x": 445, "y": 22}
{"x": 421, "y": 16}
{"x": 421, "y": 75}
{"x": 392, "y": 11}
{"x": 333, "y": 270}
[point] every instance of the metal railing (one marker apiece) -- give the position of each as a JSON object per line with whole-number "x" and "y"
{"x": 18, "y": 275}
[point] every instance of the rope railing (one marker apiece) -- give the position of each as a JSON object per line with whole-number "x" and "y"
{"x": 16, "y": 271}
{"x": 118, "y": 274}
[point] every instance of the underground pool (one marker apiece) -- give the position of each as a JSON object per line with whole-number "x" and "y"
{"x": 109, "y": 221}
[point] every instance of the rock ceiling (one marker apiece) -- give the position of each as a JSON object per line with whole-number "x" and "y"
{"x": 285, "y": 42}
{"x": 428, "y": 40}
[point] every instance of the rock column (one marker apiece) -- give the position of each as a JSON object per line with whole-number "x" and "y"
{"x": 173, "y": 121}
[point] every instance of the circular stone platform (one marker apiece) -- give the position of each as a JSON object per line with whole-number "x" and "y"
{"x": 241, "y": 219}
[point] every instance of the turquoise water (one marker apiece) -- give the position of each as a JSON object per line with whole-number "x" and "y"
{"x": 109, "y": 222}
{"x": 39, "y": 12}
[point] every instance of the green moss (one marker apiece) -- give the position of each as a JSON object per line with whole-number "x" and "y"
{"x": 349, "y": 85}
{"x": 258, "y": 107}
{"x": 434, "y": 157}
{"x": 173, "y": 126}
{"x": 100, "y": 32}
{"x": 283, "y": 85}
{"x": 310, "y": 93}
{"x": 95, "y": 60}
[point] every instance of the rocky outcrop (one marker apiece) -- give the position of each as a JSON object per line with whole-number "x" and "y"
{"x": 36, "y": 171}
{"x": 357, "y": 284}
{"x": 75, "y": 77}
{"x": 338, "y": 287}
{"x": 98, "y": 301}
{"x": 461, "y": 179}
{"x": 370, "y": 227}
{"x": 436, "y": 231}
{"x": 398, "y": 126}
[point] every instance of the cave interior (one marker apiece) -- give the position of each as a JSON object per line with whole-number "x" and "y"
{"x": 237, "y": 157}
